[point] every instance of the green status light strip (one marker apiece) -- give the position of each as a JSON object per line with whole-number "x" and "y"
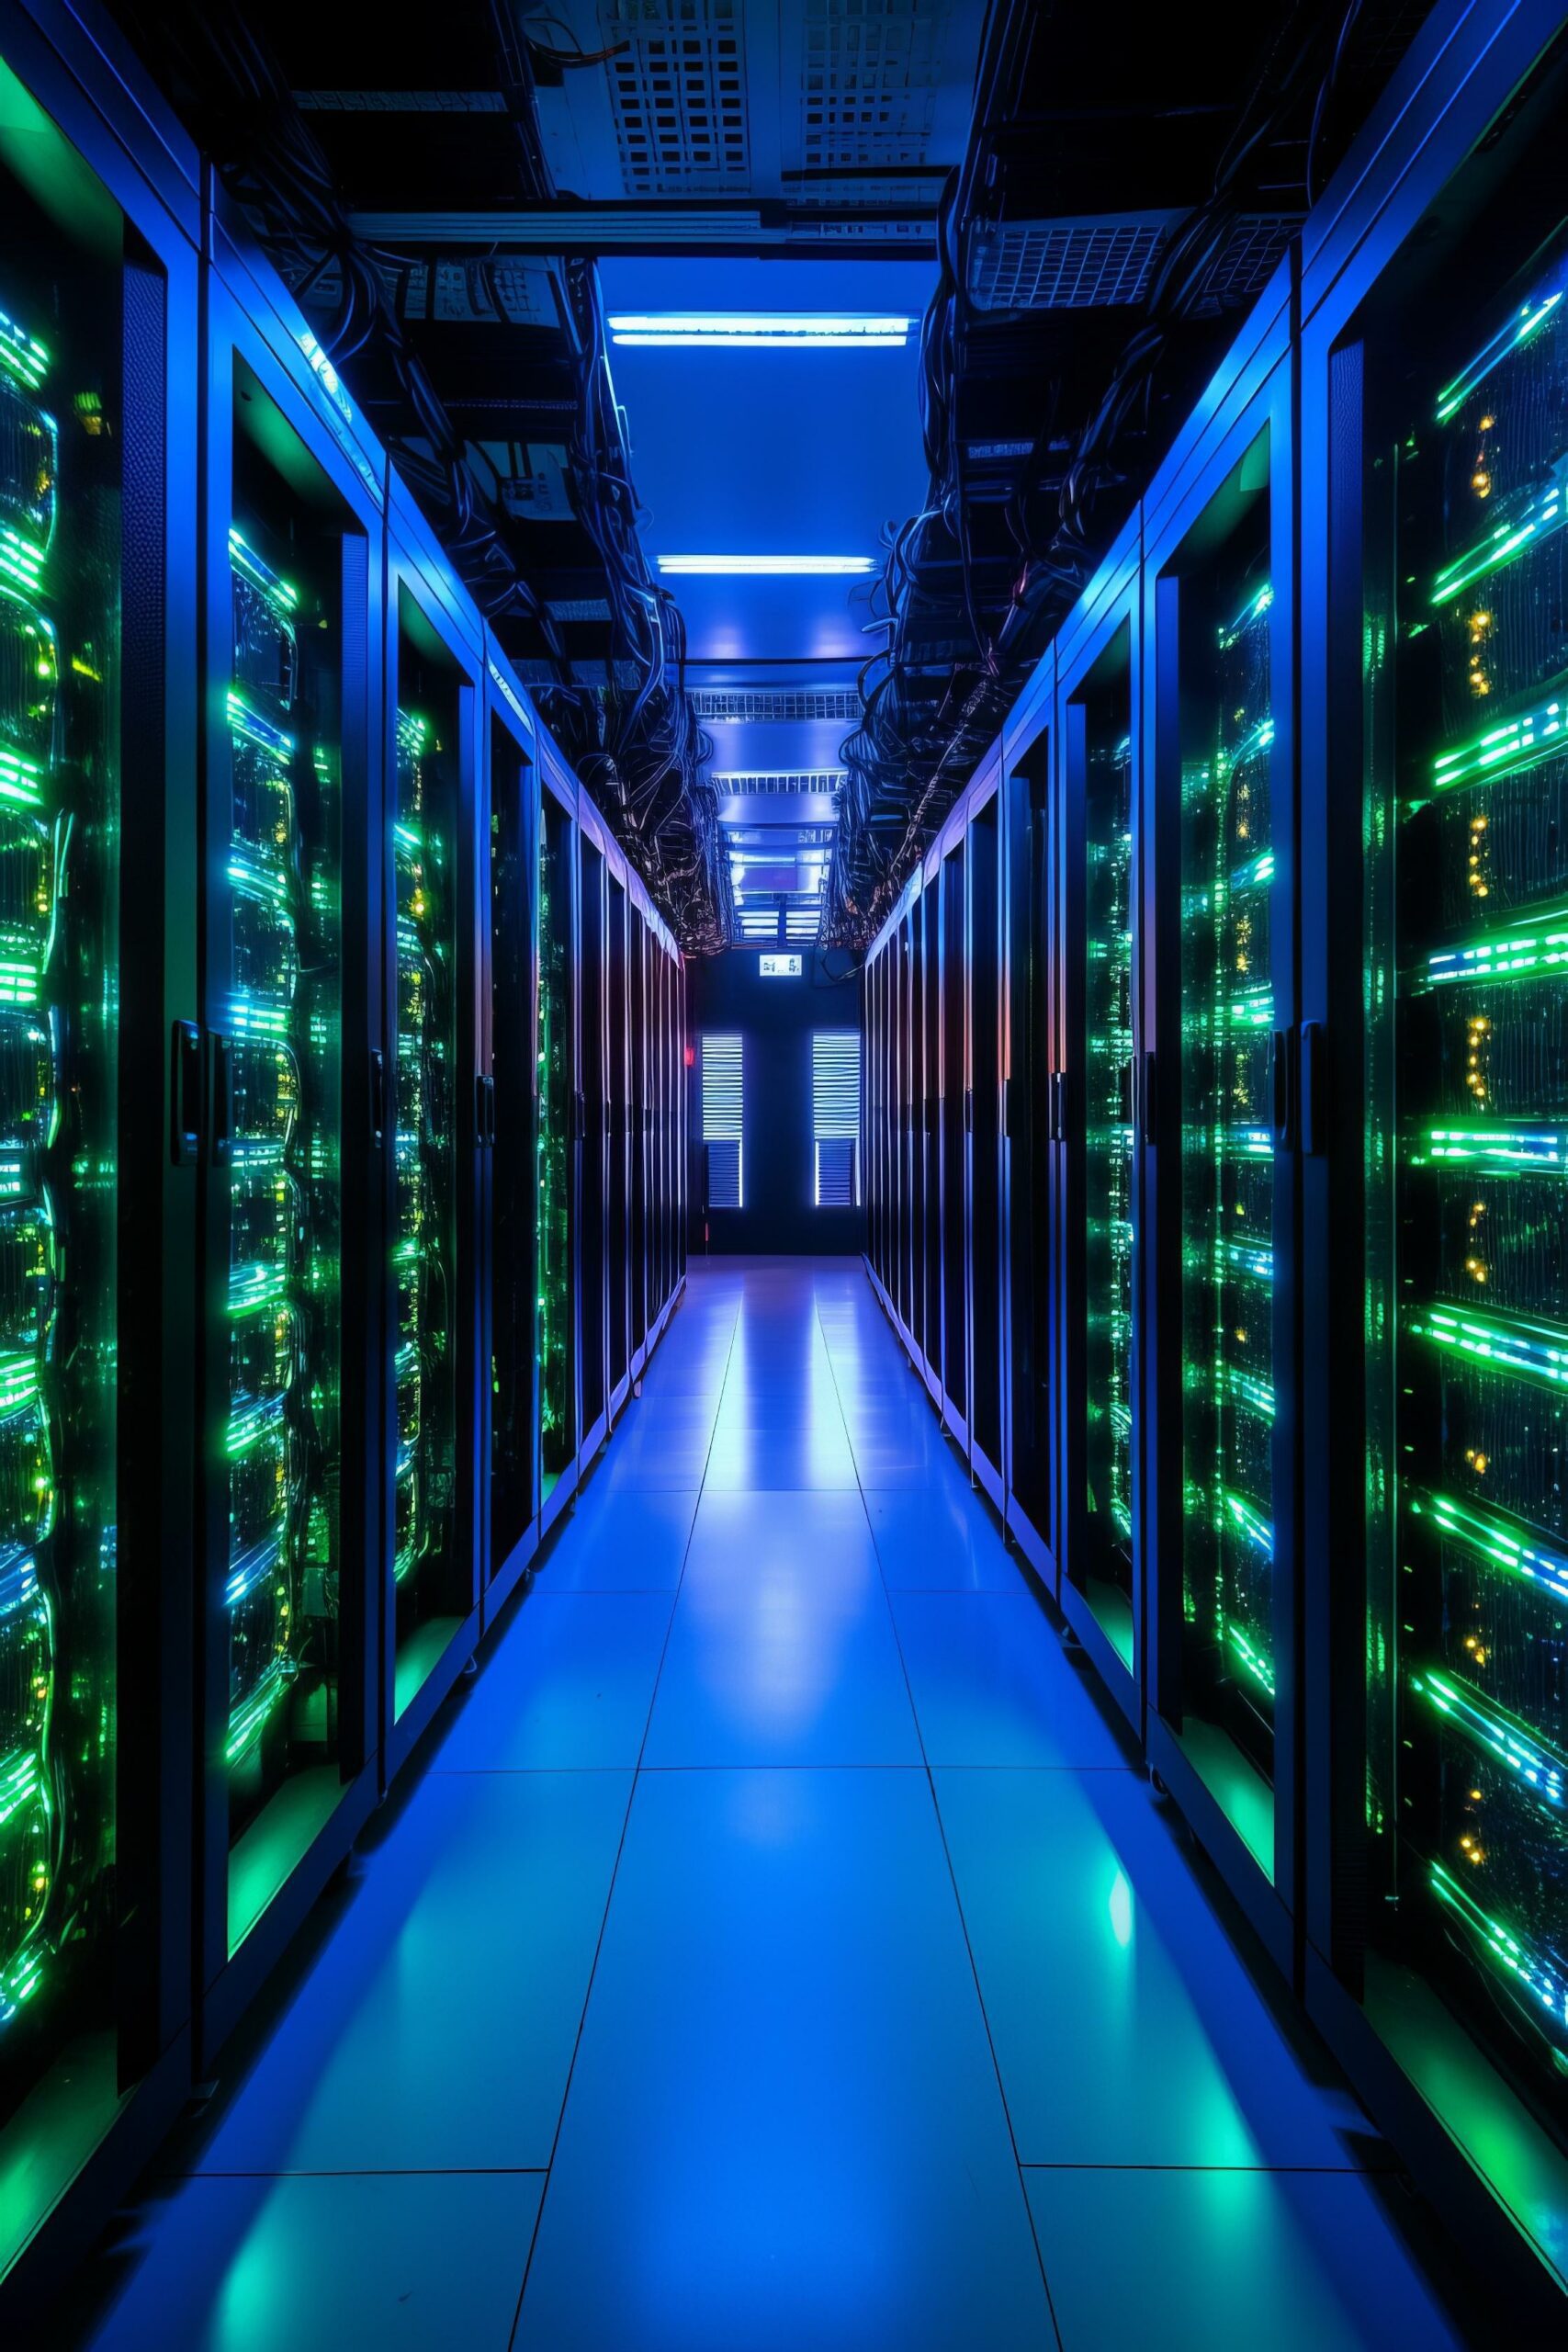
{"x": 22, "y": 355}
{"x": 1525, "y": 322}
{"x": 1250, "y": 1659}
{"x": 1505, "y": 955}
{"x": 1537, "y": 521}
{"x": 1503, "y": 1735}
{"x": 1533, "y": 1350}
{"x": 1497, "y": 1147}
{"x": 1507, "y": 748}
{"x": 1537, "y": 1974}
{"x": 260, "y": 573}
{"x": 1494, "y": 1541}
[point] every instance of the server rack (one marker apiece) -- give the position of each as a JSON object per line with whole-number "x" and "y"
{"x": 1093, "y": 1145}
{"x": 1030, "y": 1275}
{"x": 509, "y": 1057}
{"x": 290, "y": 999}
{"x": 97, "y": 759}
{"x": 1340, "y": 604}
{"x": 1435, "y": 406}
{"x": 593, "y": 1262}
{"x": 952, "y": 1082}
{"x": 637, "y": 1115}
{"x": 561, "y": 1123}
{"x": 291, "y": 888}
{"x": 617, "y": 984}
{"x": 982, "y": 1121}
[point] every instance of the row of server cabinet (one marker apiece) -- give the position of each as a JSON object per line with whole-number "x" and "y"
{"x": 1217, "y": 1127}
{"x": 342, "y": 1138}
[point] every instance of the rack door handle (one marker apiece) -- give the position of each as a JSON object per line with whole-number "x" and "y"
{"x": 185, "y": 1094}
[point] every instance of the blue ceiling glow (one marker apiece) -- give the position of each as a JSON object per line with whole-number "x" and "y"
{"x": 762, "y": 457}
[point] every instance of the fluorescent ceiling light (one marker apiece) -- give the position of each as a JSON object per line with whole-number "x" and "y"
{"x": 761, "y": 330}
{"x": 687, "y": 567}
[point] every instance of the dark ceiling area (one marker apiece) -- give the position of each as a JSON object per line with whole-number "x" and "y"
{"x": 1085, "y": 219}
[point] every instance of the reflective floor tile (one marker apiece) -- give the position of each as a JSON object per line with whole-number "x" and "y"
{"x": 765, "y": 1460}
{"x": 785, "y": 1663}
{"x": 417, "y": 2264}
{"x": 650, "y": 1463}
{"x": 620, "y": 1540}
{"x": 945, "y": 1540}
{"x": 736, "y": 1534}
{"x": 1126, "y": 2029}
{"x": 783, "y": 2129}
{"x": 568, "y": 1686}
{"x": 991, "y": 1686}
{"x": 1226, "y": 2262}
{"x": 434, "y": 2028}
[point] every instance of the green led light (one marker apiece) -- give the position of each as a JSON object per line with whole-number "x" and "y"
{"x": 249, "y": 1423}
{"x": 1249, "y": 1521}
{"x": 18, "y": 1380}
{"x": 1250, "y": 1658}
{"x": 1507, "y": 748}
{"x": 250, "y": 1719}
{"x": 1535, "y": 522}
{"x": 1526, "y": 322}
{"x": 21, "y": 780}
{"x": 1535, "y": 1970}
{"x": 21, "y": 355}
{"x": 20, "y": 560}
{"x": 21, "y": 1781}
{"x": 1485, "y": 1725}
{"x": 1255, "y": 874}
{"x": 1250, "y": 615}
{"x": 1504, "y": 955}
{"x": 253, "y": 728}
{"x": 253, "y": 1288}
{"x": 1537, "y": 1352}
{"x": 1242, "y": 1388}
{"x": 1500, "y": 1148}
{"x": 1499, "y": 1543}
{"x": 260, "y": 573}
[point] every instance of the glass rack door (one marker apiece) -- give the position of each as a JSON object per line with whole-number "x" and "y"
{"x": 950, "y": 1140}
{"x": 513, "y": 1275}
{"x": 1467, "y": 1172}
{"x": 557, "y": 1412}
{"x": 1100, "y": 1060}
{"x": 432, "y": 1583}
{"x": 592, "y": 1352}
{"x": 289, "y": 564}
{"x": 1234, "y": 929}
{"x": 64, "y": 408}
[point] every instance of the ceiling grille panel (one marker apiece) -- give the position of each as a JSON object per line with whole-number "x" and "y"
{"x": 723, "y": 703}
{"x": 869, "y": 75}
{"x": 678, "y": 93}
{"x": 1064, "y": 264}
{"x": 828, "y": 780}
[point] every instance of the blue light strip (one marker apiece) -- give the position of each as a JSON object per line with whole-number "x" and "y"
{"x": 760, "y": 330}
{"x": 776, "y": 567}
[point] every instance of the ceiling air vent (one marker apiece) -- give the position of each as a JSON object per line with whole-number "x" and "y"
{"x": 869, "y": 73}
{"x": 723, "y": 704}
{"x": 747, "y": 780}
{"x": 1084, "y": 265}
{"x": 677, "y": 90}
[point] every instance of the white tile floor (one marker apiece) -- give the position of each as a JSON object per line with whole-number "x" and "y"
{"x": 779, "y": 1952}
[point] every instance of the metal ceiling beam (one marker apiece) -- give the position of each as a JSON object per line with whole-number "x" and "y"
{"x": 658, "y": 228}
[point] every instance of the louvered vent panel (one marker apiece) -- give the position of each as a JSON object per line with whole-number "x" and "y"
{"x": 723, "y": 1116}
{"x": 1064, "y": 264}
{"x": 677, "y": 90}
{"x": 835, "y": 1115}
{"x": 796, "y": 780}
{"x": 869, "y": 75}
{"x": 762, "y": 703}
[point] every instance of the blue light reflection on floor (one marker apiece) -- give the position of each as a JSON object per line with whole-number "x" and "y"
{"x": 781, "y": 1951}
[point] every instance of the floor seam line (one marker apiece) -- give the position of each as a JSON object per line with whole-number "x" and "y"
{"x": 615, "y": 1874}
{"x": 958, "y": 1903}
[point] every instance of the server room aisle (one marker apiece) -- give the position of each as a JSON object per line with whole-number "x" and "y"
{"x": 780, "y": 1951}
